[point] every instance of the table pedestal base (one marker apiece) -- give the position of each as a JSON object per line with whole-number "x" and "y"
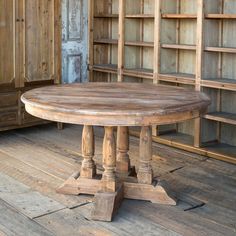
{"x": 118, "y": 181}
{"x": 107, "y": 203}
{"x": 76, "y": 185}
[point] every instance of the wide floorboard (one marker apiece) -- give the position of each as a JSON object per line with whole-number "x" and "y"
{"x": 35, "y": 161}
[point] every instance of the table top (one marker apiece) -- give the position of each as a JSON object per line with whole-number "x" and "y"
{"x": 115, "y": 104}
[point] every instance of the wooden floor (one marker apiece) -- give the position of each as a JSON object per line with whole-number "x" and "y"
{"x": 34, "y": 161}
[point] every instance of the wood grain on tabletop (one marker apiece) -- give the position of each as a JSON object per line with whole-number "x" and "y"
{"x": 127, "y": 103}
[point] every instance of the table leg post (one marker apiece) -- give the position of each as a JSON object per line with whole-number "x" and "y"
{"x": 145, "y": 189}
{"x": 145, "y": 173}
{"x": 109, "y": 198}
{"x": 109, "y": 160}
{"x": 88, "y": 169}
{"x": 123, "y": 160}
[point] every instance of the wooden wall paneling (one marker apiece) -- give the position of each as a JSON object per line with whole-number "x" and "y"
{"x": 139, "y": 45}
{"x": 228, "y": 106}
{"x": 132, "y": 53}
{"x": 185, "y": 59}
{"x": 167, "y": 57}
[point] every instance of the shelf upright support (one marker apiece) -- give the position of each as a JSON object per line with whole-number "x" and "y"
{"x": 199, "y": 65}
{"x": 121, "y": 39}
{"x": 141, "y": 30}
{"x": 157, "y": 45}
{"x": 91, "y": 38}
{"x": 220, "y": 61}
{"x": 109, "y": 32}
{"x": 157, "y": 49}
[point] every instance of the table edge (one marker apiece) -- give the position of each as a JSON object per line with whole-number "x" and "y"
{"x": 115, "y": 120}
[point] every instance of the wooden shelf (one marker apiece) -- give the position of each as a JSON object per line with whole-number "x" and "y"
{"x": 220, "y": 151}
{"x": 108, "y": 68}
{"x": 226, "y": 84}
{"x": 139, "y": 73}
{"x": 139, "y": 44}
{"x": 105, "y": 41}
{"x": 107, "y": 16}
{"x": 140, "y": 16}
{"x": 158, "y": 43}
{"x": 221, "y": 49}
{"x": 127, "y": 43}
{"x": 220, "y": 16}
{"x": 179, "y": 46}
{"x": 178, "y": 16}
{"x": 224, "y": 117}
{"x": 181, "y": 78}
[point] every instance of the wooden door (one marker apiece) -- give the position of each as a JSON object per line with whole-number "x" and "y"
{"x": 8, "y": 95}
{"x": 40, "y": 51}
{"x": 6, "y": 42}
{"x": 74, "y": 40}
{"x": 39, "y": 54}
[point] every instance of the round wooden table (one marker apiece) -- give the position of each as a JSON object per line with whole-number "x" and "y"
{"x": 116, "y": 105}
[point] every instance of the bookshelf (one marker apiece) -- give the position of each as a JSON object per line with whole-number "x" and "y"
{"x": 178, "y": 43}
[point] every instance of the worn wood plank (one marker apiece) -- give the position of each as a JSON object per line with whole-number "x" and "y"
{"x": 31, "y": 204}
{"x": 28, "y": 202}
{"x": 200, "y": 189}
{"x": 46, "y": 161}
{"x": 197, "y": 182}
{"x": 182, "y": 222}
{"x": 128, "y": 222}
{"x": 72, "y": 222}
{"x": 13, "y": 223}
{"x": 217, "y": 214}
{"x": 37, "y": 180}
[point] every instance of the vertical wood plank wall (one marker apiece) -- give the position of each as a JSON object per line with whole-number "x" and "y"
{"x": 187, "y": 43}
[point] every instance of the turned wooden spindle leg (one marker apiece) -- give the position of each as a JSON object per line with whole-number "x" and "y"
{"x": 110, "y": 196}
{"x": 123, "y": 160}
{"x": 88, "y": 169}
{"x": 145, "y": 173}
{"x": 109, "y": 160}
